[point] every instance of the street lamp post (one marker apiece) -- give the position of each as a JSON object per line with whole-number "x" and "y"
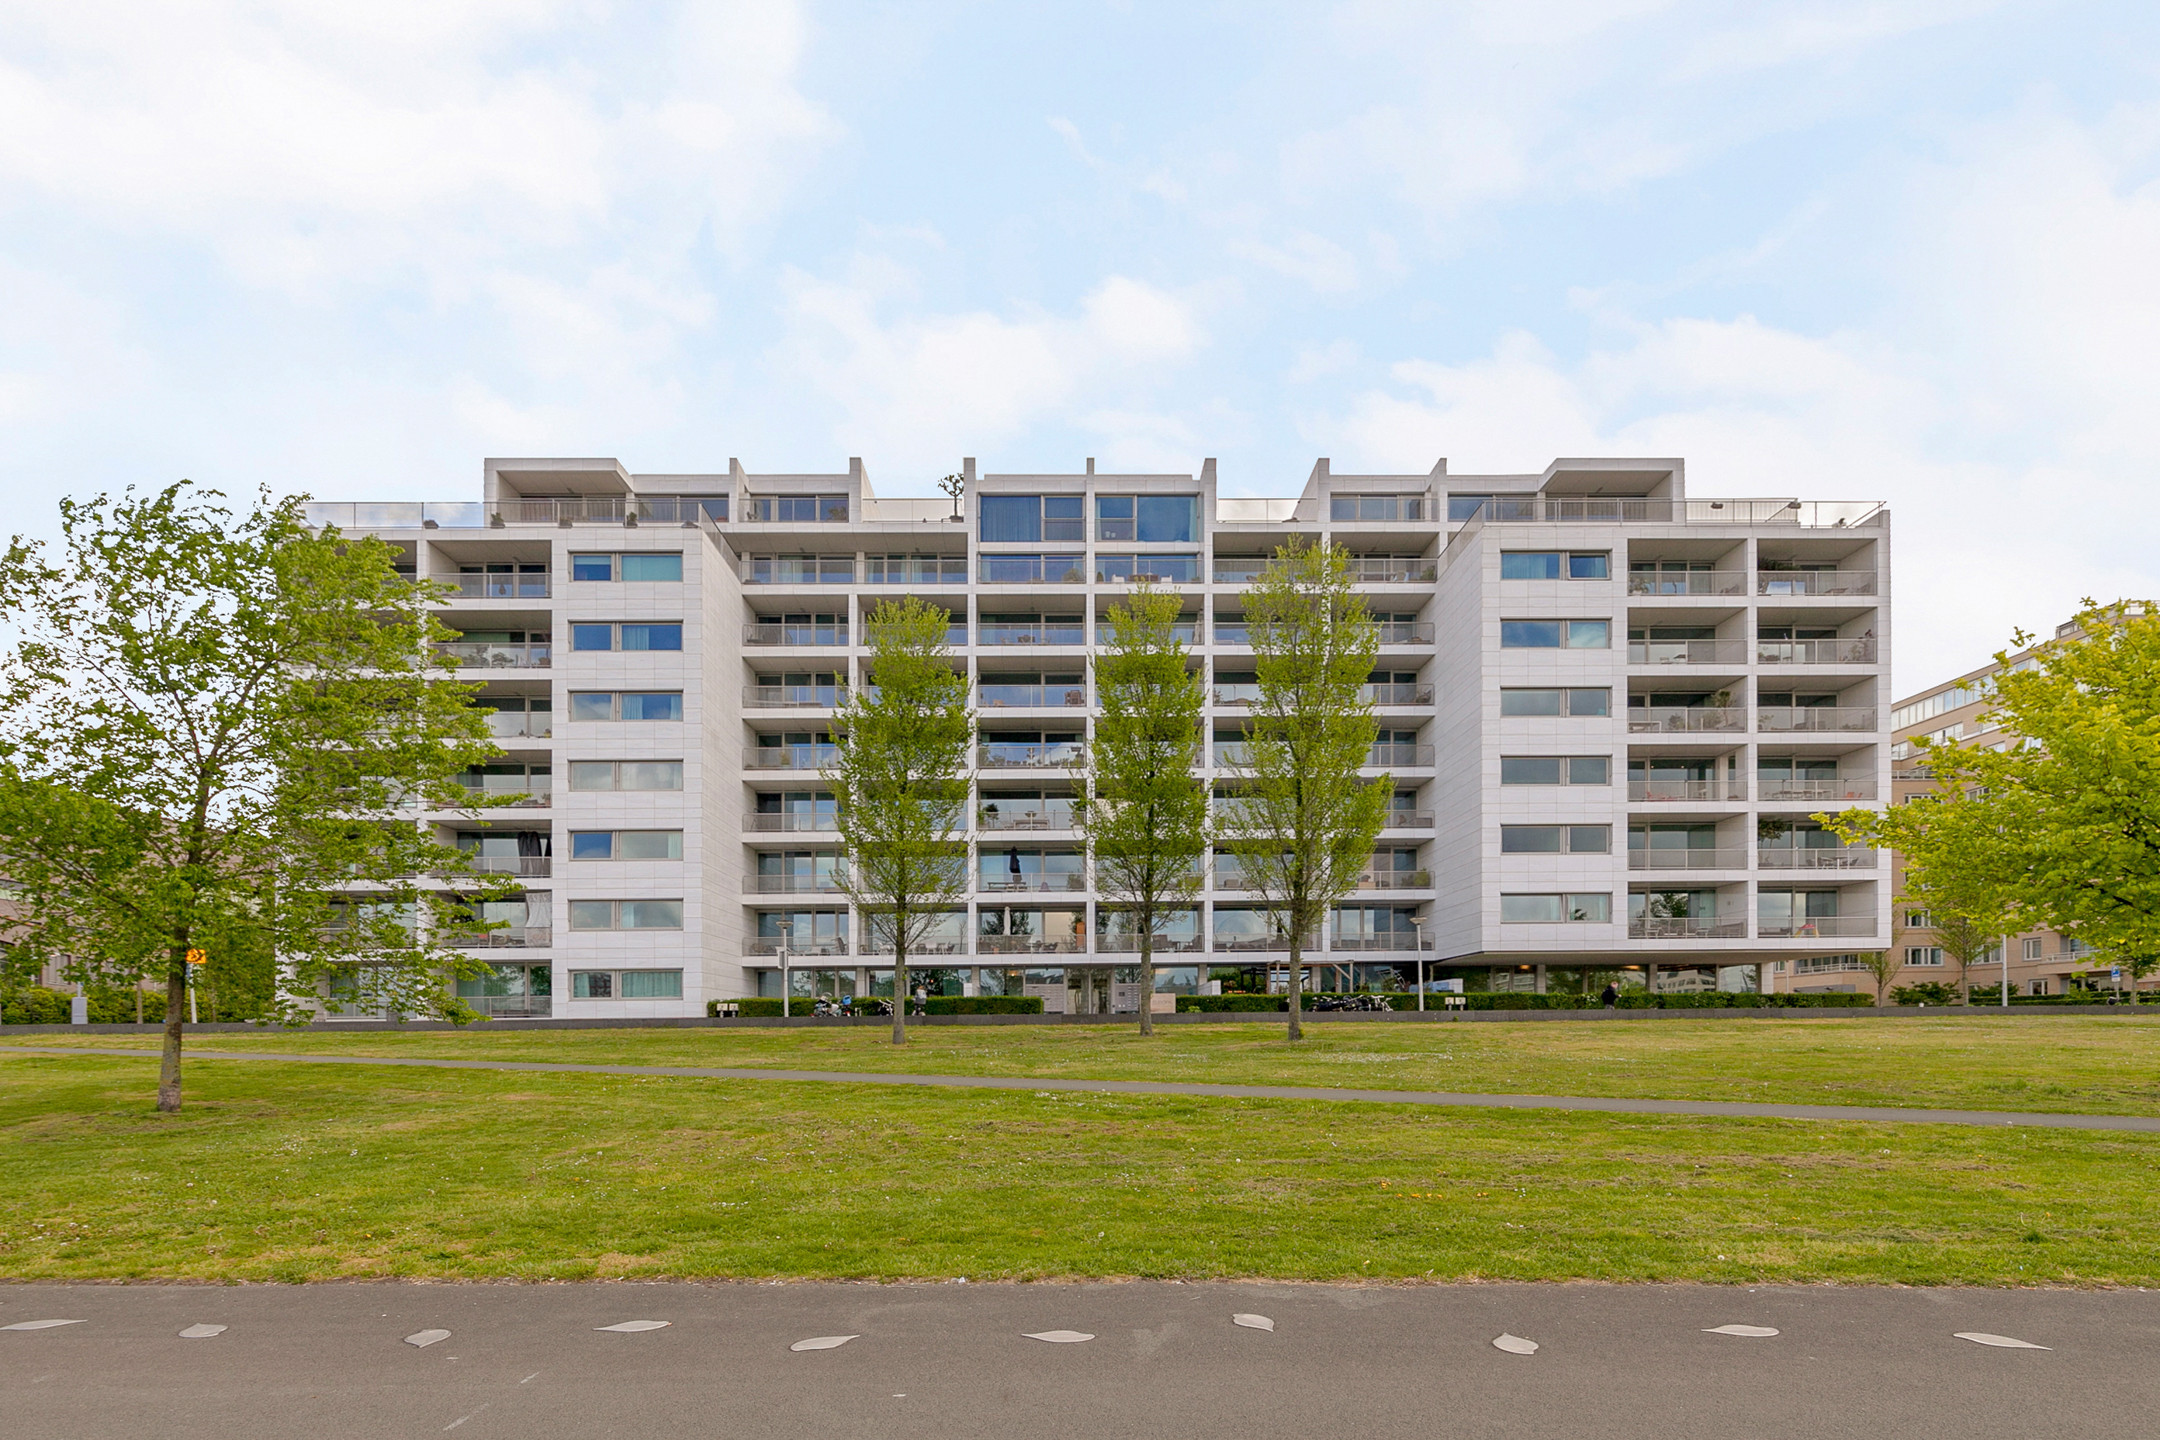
{"x": 787, "y": 930}
{"x": 1419, "y": 922}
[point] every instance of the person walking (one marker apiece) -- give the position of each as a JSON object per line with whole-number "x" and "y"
{"x": 1611, "y": 998}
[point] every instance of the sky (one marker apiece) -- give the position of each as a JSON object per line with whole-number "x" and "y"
{"x": 1905, "y": 250}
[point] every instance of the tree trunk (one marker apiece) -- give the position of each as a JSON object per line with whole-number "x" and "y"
{"x": 1297, "y": 988}
{"x": 899, "y": 986}
{"x": 168, "y": 1090}
{"x": 1147, "y": 980}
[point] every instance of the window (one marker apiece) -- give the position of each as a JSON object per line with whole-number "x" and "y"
{"x": 1552, "y": 564}
{"x": 915, "y": 570}
{"x": 1555, "y": 839}
{"x": 1034, "y": 569}
{"x": 1376, "y": 507}
{"x": 1149, "y": 519}
{"x": 1555, "y": 909}
{"x": 626, "y": 844}
{"x": 1556, "y": 634}
{"x": 1575, "y": 702}
{"x": 1923, "y": 955}
{"x": 1919, "y": 920}
{"x": 626, "y": 914}
{"x": 796, "y": 509}
{"x": 1555, "y": 770}
{"x": 641, "y": 635}
{"x": 1164, "y": 569}
{"x": 626, "y": 705}
{"x": 1031, "y": 519}
{"x": 802, "y": 569}
{"x": 648, "y": 567}
{"x": 626, "y": 984}
{"x": 2032, "y": 948}
{"x": 626, "y": 774}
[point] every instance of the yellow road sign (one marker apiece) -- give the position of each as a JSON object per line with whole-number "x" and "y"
{"x": 198, "y": 957}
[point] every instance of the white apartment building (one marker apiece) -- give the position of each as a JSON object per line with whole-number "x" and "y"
{"x": 1609, "y": 712}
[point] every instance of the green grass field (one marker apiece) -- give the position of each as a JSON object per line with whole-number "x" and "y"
{"x": 294, "y": 1172}
{"x": 2082, "y": 1064}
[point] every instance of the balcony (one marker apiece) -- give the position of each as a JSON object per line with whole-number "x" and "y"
{"x": 769, "y": 633}
{"x": 794, "y": 509}
{"x": 1725, "y": 653}
{"x": 513, "y": 937}
{"x": 1798, "y": 514}
{"x": 794, "y": 697}
{"x": 799, "y": 570}
{"x": 487, "y": 655}
{"x": 1686, "y": 859}
{"x": 790, "y": 757}
{"x": 599, "y": 510}
{"x": 1019, "y": 755}
{"x": 1818, "y": 719}
{"x": 930, "y": 946}
{"x": 1030, "y": 697}
{"x": 1396, "y": 694}
{"x": 530, "y": 865}
{"x": 1680, "y": 789}
{"x": 1815, "y": 790}
{"x": 1164, "y": 945}
{"x": 499, "y": 587}
{"x": 368, "y": 517}
{"x": 1044, "y": 815}
{"x": 1404, "y": 632}
{"x": 1409, "y": 820}
{"x": 1029, "y": 945}
{"x": 1185, "y": 632}
{"x": 1692, "y": 582}
{"x": 998, "y": 633}
{"x": 1033, "y": 570}
{"x": 820, "y": 882}
{"x": 1395, "y": 880}
{"x": 1794, "y": 857}
{"x": 520, "y": 724}
{"x": 1002, "y": 882}
{"x": 1234, "y": 944}
{"x": 1237, "y": 694}
{"x": 1815, "y": 582}
{"x": 916, "y": 570}
{"x": 810, "y": 949}
{"x": 526, "y": 796}
{"x": 1685, "y": 927}
{"x": 1817, "y": 927}
{"x": 1686, "y": 720}
{"x": 1390, "y": 941}
{"x": 789, "y": 822}
{"x": 1815, "y": 652}
{"x": 1412, "y": 756}
{"x": 1388, "y": 570}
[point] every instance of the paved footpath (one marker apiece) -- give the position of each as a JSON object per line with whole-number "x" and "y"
{"x": 1722, "y": 1108}
{"x": 661, "y": 1361}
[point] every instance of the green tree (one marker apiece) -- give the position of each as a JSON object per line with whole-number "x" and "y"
{"x": 2063, "y": 828}
{"x": 899, "y": 783}
{"x": 214, "y": 733}
{"x": 1304, "y": 822}
{"x": 1143, "y": 808}
{"x": 1882, "y": 967}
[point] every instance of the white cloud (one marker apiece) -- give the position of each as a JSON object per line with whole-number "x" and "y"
{"x": 1318, "y": 261}
{"x": 921, "y": 388}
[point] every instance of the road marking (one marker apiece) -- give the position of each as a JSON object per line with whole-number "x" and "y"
{"x": 823, "y": 1342}
{"x": 2000, "y": 1342}
{"x": 1060, "y": 1337}
{"x": 1253, "y": 1322}
{"x": 1751, "y": 1332}
{"x": 41, "y": 1324}
{"x": 201, "y": 1332}
{"x": 530, "y": 1378}
{"x": 1515, "y": 1345}
{"x": 635, "y": 1327}
{"x": 421, "y": 1339}
{"x": 463, "y": 1418}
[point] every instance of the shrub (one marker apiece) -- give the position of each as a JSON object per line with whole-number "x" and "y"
{"x": 1927, "y": 992}
{"x": 117, "y": 1007}
{"x": 35, "y": 1006}
{"x": 985, "y": 1005}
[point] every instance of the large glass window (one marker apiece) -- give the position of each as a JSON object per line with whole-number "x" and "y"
{"x": 1555, "y": 839}
{"x": 593, "y": 705}
{"x": 1579, "y": 701}
{"x": 626, "y": 914}
{"x": 1555, "y": 909}
{"x": 626, "y": 775}
{"x": 1555, "y": 634}
{"x": 1031, "y": 519}
{"x": 666, "y": 566}
{"x": 1148, "y": 519}
{"x": 1164, "y": 569}
{"x": 1555, "y": 770}
{"x": 626, "y": 844}
{"x": 639, "y": 635}
{"x": 626, "y": 984}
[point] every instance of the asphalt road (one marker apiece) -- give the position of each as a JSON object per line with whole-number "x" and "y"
{"x": 1166, "y": 1360}
{"x": 1471, "y": 1100}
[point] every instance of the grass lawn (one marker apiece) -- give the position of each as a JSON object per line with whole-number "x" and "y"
{"x": 294, "y": 1172}
{"x": 2072, "y": 1063}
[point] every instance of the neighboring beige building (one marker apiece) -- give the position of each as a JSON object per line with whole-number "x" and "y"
{"x": 2042, "y": 962}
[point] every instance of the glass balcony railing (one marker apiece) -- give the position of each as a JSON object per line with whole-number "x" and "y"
{"x": 1186, "y": 632}
{"x": 1686, "y": 858}
{"x": 790, "y": 757}
{"x": 821, "y": 882}
{"x": 488, "y": 655}
{"x": 1030, "y": 945}
{"x": 1815, "y": 582}
{"x": 1164, "y": 945}
{"x": 1816, "y": 927}
{"x": 510, "y": 937}
{"x": 1411, "y": 756}
{"x": 995, "y": 881}
{"x": 1034, "y": 570}
{"x": 800, "y": 948}
{"x": 1239, "y": 570}
{"x": 794, "y": 697}
{"x": 915, "y": 570}
{"x": 1683, "y": 788}
{"x": 1686, "y": 719}
{"x": 1052, "y": 633}
{"x": 368, "y": 517}
{"x": 1237, "y": 693}
{"x": 1026, "y": 815}
{"x": 1687, "y": 582}
{"x": 521, "y": 724}
{"x": 799, "y": 570}
{"x": 788, "y": 822}
{"x": 781, "y": 633}
{"x": 1772, "y": 787}
{"x": 1409, "y": 820}
{"x": 1395, "y": 880}
{"x": 529, "y": 865}
{"x": 1687, "y": 652}
{"x": 993, "y": 696}
{"x": 1808, "y": 857}
{"x": 1816, "y": 652}
{"x": 1397, "y": 694}
{"x": 1685, "y": 927}
{"x": 1385, "y": 940}
{"x": 1391, "y": 570}
{"x": 499, "y": 587}
{"x": 1012, "y": 754}
{"x": 1817, "y": 719}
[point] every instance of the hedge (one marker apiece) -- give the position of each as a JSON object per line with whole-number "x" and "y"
{"x": 1518, "y": 1000}
{"x": 985, "y": 1004}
